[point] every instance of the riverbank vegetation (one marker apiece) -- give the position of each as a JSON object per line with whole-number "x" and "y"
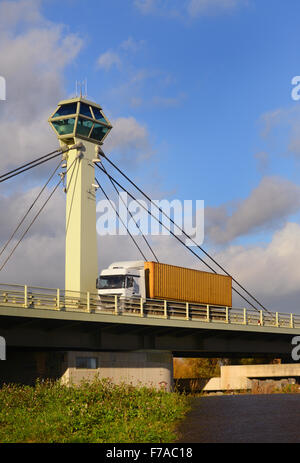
{"x": 96, "y": 412}
{"x": 275, "y": 387}
{"x": 196, "y": 367}
{"x": 210, "y": 367}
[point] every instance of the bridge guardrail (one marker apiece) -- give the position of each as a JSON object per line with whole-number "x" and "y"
{"x": 35, "y": 297}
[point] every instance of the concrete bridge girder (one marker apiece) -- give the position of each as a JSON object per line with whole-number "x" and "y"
{"x": 172, "y": 335}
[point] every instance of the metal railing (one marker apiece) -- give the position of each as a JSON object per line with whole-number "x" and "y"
{"x": 33, "y": 297}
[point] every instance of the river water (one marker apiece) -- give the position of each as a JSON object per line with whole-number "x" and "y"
{"x": 270, "y": 418}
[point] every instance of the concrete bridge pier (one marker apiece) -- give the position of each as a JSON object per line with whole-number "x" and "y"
{"x": 150, "y": 368}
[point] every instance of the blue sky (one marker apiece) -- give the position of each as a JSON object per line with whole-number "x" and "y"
{"x": 205, "y": 83}
{"x": 199, "y": 94}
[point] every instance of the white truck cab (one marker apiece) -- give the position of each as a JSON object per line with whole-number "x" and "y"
{"x": 125, "y": 279}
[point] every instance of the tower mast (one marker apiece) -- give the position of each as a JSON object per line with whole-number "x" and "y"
{"x": 82, "y": 124}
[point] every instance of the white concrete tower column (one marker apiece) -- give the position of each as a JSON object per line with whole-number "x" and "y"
{"x": 80, "y": 122}
{"x": 81, "y": 266}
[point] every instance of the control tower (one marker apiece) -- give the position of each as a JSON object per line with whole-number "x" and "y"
{"x": 80, "y": 125}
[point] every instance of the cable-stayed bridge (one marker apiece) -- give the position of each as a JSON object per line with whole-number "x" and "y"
{"x": 78, "y": 319}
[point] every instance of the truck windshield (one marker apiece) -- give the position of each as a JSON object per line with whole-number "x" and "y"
{"x": 112, "y": 282}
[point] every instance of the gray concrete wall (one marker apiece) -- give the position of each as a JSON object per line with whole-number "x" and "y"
{"x": 144, "y": 368}
{"x": 236, "y": 377}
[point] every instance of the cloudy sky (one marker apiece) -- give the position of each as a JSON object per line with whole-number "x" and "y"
{"x": 200, "y": 96}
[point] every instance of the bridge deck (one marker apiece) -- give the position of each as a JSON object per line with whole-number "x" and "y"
{"x": 37, "y": 302}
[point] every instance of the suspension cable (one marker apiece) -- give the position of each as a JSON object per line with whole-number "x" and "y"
{"x": 34, "y": 219}
{"x": 136, "y": 223}
{"x": 186, "y": 235}
{"x": 175, "y": 236}
{"x": 35, "y": 163}
{"x": 118, "y": 215}
{"x": 29, "y": 209}
{"x": 28, "y": 168}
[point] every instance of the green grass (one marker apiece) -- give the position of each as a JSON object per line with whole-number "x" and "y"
{"x": 95, "y": 412}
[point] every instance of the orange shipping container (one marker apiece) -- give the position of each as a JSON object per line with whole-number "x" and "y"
{"x": 170, "y": 282}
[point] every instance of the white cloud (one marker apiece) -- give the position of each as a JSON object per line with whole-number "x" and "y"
{"x": 269, "y": 204}
{"x": 132, "y": 80}
{"x": 37, "y": 262}
{"x": 132, "y": 45}
{"x": 108, "y": 60}
{"x": 34, "y": 54}
{"x": 202, "y": 7}
{"x": 159, "y": 101}
{"x": 39, "y": 258}
{"x": 169, "y": 102}
{"x": 271, "y": 272}
{"x": 146, "y": 6}
{"x": 190, "y": 8}
{"x": 166, "y": 8}
{"x": 263, "y": 161}
{"x": 13, "y": 13}
{"x": 136, "y": 102}
{"x": 143, "y": 87}
{"x": 17, "y": 203}
{"x": 129, "y": 138}
{"x": 271, "y": 119}
{"x": 111, "y": 59}
{"x": 283, "y": 120}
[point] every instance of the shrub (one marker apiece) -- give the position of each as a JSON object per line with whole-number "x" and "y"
{"x": 92, "y": 412}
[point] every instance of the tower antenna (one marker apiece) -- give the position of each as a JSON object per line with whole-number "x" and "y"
{"x": 85, "y": 88}
{"x": 81, "y": 88}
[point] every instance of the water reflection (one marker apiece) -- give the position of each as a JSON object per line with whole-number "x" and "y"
{"x": 243, "y": 419}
